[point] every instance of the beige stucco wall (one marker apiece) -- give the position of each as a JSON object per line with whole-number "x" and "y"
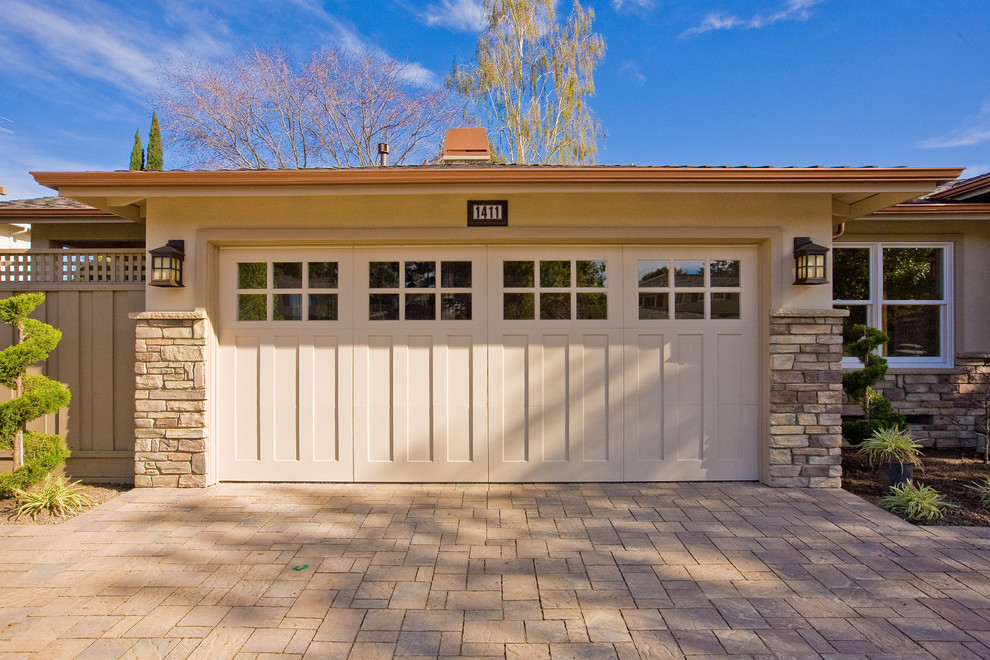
{"x": 971, "y": 252}
{"x": 43, "y": 234}
{"x": 556, "y": 215}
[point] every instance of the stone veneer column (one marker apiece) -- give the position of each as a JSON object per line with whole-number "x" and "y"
{"x": 170, "y": 447}
{"x": 806, "y": 398}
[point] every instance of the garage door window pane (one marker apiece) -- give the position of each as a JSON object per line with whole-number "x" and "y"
{"x": 287, "y": 306}
{"x": 555, "y": 306}
{"x": 654, "y": 274}
{"x": 689, "y": 306}
{"x": 287, "y": 275}
{"x": 555, "y": 274}
{"x": 689, "y": 273}
{"x": 323, "y": 307}
{"x": 725, "y": 272}
{"x": 653, "y": 305}
{"x": 518, "y": 306}
{"x": 592, "y": 306}
{"x": 252, "y": 307}
{"x": 323, "y": 274}
{"x": 421, "y": 274}
{"x": 455, "y": 307}
{"x": 455, "y": 274}
{"x": 252, "y": 275}
{"x": 851, "y": 274}
{"x": 421, "y": 307}
{"x": 383, "y": 307}
{"x": 383, "y": 275}
{"x": 724, "y": 305}
{"x": 592, "y": 274}
{"x": 912, "y": 273}
{"x": 914, "y": 330}
{"x": 518, "y": 274}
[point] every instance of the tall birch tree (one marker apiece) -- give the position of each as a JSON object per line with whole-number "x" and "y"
{"x": 532, "y": 79}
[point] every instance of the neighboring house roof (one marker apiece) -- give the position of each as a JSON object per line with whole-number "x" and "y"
{"x": 52, "y": 209}
{"x": 961, "y": 199}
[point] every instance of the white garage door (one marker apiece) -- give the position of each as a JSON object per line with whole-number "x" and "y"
{"x": 498, "y": 364}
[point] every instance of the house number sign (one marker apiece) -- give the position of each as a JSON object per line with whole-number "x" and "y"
{"x": 488, "y": 213}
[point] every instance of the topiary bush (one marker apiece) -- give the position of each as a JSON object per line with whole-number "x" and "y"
{"x": 861, "y": 341}
{"x": 35, "y": 454}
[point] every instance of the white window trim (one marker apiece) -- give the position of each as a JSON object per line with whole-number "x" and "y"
{"x": 874, "y": 304}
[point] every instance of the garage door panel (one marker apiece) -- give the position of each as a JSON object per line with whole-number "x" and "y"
{"x": 244, "y": 431}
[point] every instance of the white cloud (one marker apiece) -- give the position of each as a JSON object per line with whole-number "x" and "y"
{"x": 975, "y": 170}
{"x": 464, "y": 15}
{"x": 793, "y": 10}
{"x": 973, "y": 131}
{"x": 631, "y": 67}
{"x": 19, "y": 159}
{"x": 633, "y": 5}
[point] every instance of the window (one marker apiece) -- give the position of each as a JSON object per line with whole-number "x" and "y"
{"x": 419, "y": 291}
{"x": 699, "y": 289}
{"x": 905, "y": 290}
{"x": 555, "y": 290}
{"x": 290, "y": 290}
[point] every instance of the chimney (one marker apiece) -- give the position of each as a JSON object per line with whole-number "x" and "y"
{"x": 383, "y": 154}
{"x": 465, "y": 145}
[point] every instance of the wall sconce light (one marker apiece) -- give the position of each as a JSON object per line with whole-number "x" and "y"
{"x": 166, "y": 264}
{"x": 809, "y": 261}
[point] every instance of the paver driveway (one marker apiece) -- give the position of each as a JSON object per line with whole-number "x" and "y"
{"x": 558, "y": 570}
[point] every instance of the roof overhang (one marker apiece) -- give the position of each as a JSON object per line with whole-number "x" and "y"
{"x": 934, "y": 212}
{"x": 855, "y": 191}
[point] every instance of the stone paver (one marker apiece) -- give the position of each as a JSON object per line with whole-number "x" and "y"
{"x": 515, "y": 571}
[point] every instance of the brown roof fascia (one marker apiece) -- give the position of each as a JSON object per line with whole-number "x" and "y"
{"x": 956, "y": 209}
{"x": 500, "y": 175}
{"x": 976, "y": 183}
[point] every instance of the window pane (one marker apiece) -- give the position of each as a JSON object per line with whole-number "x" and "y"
{"x": 323, "y": 274}
{"x": 383, "y": 306}
{"x": 455, "y": 274}
{"x": 653, "y": 305}
{"x": 421, "y": 306}
{"x": 421, "y": 274}
{"x": 555, "y": 306}
{"x": 323, "y": 307}
{"x": 518, "y": 306}
{"x": 591, "y": 305}
{"x": 689, "y": 305}
{"x": 851, "y": 274}
{"x": 518, "y": 274}
{"x": 914, "y": 330}
{"x": 555, "y": 273}
{"x": 455, "y": 307}
{"x": 654, "y": 274}
{"x": 912, "y": 273}
{"x": 592, "y": 274}
{"x": 252, "y": 307}
{"x": 725, "y": 272}
{"x": 252, "y": 275}
{"x": 287, "y": 306}
{"x": 724, "y": 305}
{"x": 383, "y": 275}
{"x": 689, "y": 273}
{"x": 287, "y": 275}
{"x": 858, "y": 315}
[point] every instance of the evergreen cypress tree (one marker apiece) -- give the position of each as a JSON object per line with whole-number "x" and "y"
{"x": 137, "y": 153}
{"x": 155, "y": 156}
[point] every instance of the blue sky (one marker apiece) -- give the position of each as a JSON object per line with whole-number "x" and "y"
{"x": 683, "y": 82}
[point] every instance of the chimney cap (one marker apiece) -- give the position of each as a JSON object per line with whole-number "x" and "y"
{"x": 466, "y": 144}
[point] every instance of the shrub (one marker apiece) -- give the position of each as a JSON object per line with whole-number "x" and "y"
{"x": 915, "y": 502}
{"x": 983, "y": 490}
{"x": 890, "y": 444}
{"x": 862, "y": 341}
{"x": 57, "y": 496}
{"x": 43, "y": 453}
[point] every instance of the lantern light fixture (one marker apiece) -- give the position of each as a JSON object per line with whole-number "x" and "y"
{"x": 809, "y": 261}
{"x": 166, "y": 264}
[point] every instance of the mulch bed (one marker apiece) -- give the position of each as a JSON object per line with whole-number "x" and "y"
{"x": 99, "y": 493}
{"x": 946, "y": 470}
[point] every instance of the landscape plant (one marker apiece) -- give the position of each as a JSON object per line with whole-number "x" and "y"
{"x": 915, "y": 502}
{"x": 57, "y": 495}
{"x": 862, "y": 341}
{"x": 983, "y": 490}
{"x": 889, "y": 445}
{"x": 34, "y": 454}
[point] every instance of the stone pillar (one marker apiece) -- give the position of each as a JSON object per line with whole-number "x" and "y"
{"x": 170, "y": 448}
{"x": 806, "y": 398}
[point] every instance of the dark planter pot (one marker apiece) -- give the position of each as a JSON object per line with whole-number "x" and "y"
{"x": 898, "y": 473}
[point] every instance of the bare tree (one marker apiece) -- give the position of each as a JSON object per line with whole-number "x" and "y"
{"x": 258, "y": 110}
